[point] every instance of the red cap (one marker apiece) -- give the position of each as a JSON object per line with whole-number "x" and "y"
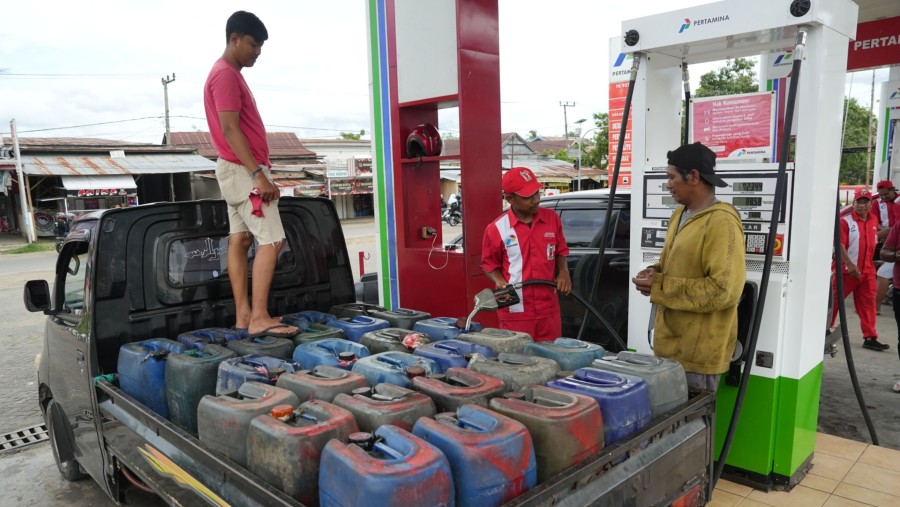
{"x": 279, "y": 411}
{"x": 885, "y": 185}
{"x": 862, "y": 194}
{"x": 520, "y": 181}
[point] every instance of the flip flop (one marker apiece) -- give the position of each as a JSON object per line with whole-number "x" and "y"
{"x": 268, "y": 332}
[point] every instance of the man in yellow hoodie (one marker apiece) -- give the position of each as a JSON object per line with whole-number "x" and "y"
{"x": 700, "y": 275}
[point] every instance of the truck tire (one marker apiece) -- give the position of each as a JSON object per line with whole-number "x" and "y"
{"x": 68, "y": 467}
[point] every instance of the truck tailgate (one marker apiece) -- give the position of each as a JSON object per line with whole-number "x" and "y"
{"x": 173, "y": 462}
{"x": 661, "y": 463}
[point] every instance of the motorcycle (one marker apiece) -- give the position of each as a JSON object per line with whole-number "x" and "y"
{"x": 452, "y": 216}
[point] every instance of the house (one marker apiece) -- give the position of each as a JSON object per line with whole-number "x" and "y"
{"x": 77, "y": 175}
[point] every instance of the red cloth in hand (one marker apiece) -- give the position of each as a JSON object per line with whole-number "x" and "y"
{"x": 257, "y": 201}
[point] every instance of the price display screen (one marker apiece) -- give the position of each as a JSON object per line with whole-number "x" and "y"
{"x": 748, "y": 186}
{"x": 746, "y": 201}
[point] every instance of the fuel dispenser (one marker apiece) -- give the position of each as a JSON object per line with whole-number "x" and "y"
{"x": 775, "y": 435}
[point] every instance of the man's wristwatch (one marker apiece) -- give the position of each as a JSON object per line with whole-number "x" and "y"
{"x": 257, "y": 171}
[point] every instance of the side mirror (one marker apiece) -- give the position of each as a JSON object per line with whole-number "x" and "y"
{"x": 37, "y": 296}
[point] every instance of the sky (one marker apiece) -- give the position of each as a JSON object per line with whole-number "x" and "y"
{"x": 95, "y": 69}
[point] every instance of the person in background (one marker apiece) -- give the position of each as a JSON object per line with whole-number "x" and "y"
{"x": 859, "y": 234}
{"x": 237, "y": 132}
{"x": 524, "y": 243}
{"x": 698, "y": 281}
{"x": 61, "y": 228}
{"x": 887, "y": 211}
{"x": 890, "y": 252}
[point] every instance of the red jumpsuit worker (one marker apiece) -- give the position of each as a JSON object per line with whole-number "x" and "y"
{"x": 859, "y": 234}
{"x": 526, "y": 243}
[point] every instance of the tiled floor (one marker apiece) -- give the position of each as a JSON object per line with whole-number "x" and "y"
{"x": 844, "y": 474}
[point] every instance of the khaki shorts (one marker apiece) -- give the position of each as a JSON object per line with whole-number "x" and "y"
{"x": 235, "y": 183}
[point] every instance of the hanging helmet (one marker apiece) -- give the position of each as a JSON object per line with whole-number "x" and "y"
{"x": 424, "y": 141}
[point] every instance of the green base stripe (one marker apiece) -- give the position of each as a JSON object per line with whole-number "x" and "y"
{"x": 777, "y": 430}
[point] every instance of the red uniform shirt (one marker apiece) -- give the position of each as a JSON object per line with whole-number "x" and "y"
{"x": 893, "y": 242}
{"x": 859, "y": 238}
{"x": 526, "y": 252}
{"x": 226, "y": 90}
{"x": 886, "y": 212}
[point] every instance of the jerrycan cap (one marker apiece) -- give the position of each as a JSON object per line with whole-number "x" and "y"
{"x": 347, "y": 356}
{"x": 282, "y": 412}
{"x": 362, "y": 391}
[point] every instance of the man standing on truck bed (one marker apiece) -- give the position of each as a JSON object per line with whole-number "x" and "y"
{"x": 698, "y": 281}
{"x": 237, "y": 132}
{"x": 526, "y": 243}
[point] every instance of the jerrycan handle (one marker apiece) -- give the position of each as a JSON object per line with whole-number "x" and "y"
{"x": 641, "y": 359}
{"x": 600, "y": 378}
{"x": 444, "y": 346}
{"x": 391, "y": 361}
{"x": 387, "y": 450}
{"x": 458, "y": 381}
{"x": 326, "y": 374}
{"x": 362, "y": 319}
{"x": 396, "y": 333}
{"x": 467, "y": 423}
{"x": 329, "y": 347}
{"x": 516, "y": 359}
{"x": 570, "y": 343}
{"x": 265, "y": 340}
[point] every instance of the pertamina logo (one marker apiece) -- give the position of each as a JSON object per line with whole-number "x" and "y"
{"x": 622, "y": 58}
{"x": 895, "y": 95}
{"x": 783, "y": 59}
{"x": 702, "y": 21}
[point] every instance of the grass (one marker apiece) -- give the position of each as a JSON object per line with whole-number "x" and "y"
{"x": 31, "y": 248}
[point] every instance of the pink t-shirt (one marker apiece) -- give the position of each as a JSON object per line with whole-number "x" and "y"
{"x": 226, "y": 90}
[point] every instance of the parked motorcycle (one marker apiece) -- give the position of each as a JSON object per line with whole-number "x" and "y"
{"x": 452, "y": 216}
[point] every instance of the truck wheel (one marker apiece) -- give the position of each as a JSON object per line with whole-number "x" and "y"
{"x": 70, "y": 469}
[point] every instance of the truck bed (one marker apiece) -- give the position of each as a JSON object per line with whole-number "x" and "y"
{"x": 654, "y": 467}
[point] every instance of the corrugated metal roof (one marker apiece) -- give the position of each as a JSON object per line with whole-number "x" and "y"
{"x": 282, "y": 145}
{"x": 103, "y": 165}
{"x": 41, "y": 145}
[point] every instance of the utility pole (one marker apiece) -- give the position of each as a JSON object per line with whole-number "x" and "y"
{"x": 566, "y": 121}
{"x": 165, "y": 82}
{"x": 27, "y": 220}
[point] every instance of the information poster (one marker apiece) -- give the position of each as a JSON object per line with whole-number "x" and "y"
{"x": 735, "y": 126}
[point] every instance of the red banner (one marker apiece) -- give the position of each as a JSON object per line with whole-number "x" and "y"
{"x": 877, "y": 44}
{"x": 617, "y": 93}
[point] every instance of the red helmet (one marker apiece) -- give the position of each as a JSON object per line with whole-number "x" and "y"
{"x": 424, "y": 141}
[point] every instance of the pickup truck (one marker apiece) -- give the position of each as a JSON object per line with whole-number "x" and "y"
{"x": 158, "y": 270}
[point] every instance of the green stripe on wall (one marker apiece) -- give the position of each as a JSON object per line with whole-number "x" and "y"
{"x": 777, "y": 430}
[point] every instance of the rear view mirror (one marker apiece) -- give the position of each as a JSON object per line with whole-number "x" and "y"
{"x": 37, "y": 296}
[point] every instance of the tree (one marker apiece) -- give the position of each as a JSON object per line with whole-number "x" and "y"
{"x": 737, "y": 76}
{"x": 532, "y": 135}
{"x": 856, "y": 133}
{"x": 595, "y": 149}
{"x": 350, "y": 136}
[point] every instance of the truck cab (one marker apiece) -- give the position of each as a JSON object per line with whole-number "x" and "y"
{"x": 149, "y": 272}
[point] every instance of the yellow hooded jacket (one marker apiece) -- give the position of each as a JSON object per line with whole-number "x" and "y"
{"x": 699, "y": 280}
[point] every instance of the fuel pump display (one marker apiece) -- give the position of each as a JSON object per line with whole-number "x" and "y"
{"x": 751, "y": 191}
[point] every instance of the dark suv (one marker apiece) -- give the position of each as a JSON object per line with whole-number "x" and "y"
{"x": 582, "y": 214}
